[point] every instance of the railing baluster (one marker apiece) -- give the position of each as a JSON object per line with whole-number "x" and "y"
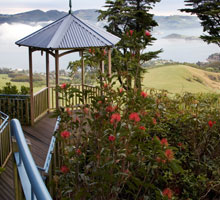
{"x": 40, "y": 103}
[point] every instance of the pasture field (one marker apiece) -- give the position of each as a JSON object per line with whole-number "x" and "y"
{"x": 181, "y": 78}
{"x": 4, "y": 79}
{"x": 173, "y": 78}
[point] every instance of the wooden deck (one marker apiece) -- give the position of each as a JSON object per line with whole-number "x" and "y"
{"x": 39, "y": 135}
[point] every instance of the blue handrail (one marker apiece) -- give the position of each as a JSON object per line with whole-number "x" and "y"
{"x": 50, "y": 150}
{"x": 5, "y": 118}
{"x": 36, "y": 181}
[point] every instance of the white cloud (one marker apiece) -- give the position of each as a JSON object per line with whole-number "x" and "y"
{"x": 13, "y": 32}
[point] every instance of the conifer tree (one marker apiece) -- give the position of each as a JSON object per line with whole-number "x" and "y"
{"x": 131, "y": 21}
{"x": 208, "y": 11}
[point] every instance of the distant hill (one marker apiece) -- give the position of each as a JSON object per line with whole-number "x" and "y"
{"x": 178, "y": 36}
{"x": 177, "y": 22}
{"x": 182, "y": 78}
{"x": 214, "y": 57}
{"x": 165, "y": 22}
{"x": 35, "y": 16}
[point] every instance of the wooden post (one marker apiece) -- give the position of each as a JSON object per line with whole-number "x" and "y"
{"x": 47, "y": 80}
{"x": 102, "y": 67}
{"x": 109, "y": 62}
{"x": 31, "y": 86}
{"x": 83, "y": 75}
{"x": 102, "y": 70}
{"x": 57, "y": 76}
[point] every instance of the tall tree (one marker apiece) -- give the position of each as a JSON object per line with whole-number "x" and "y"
{"x": 131, "y": 21}
{"x": 208, "y": 11}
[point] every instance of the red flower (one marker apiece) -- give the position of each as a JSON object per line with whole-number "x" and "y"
{"x": 147, "y": 33}
{"x": 104, "y": 52}
{"x": 68, "y": 111}
{"x": 142, "y": 128}
{"x": 157, "y": 114}
{"x": 143, "y": 113}
{"x": 131, "y": 32}
{"x": 63, "y": 86}
{"x": 154, "y": 121}
{"x": 121, "y": 90}
{"x": 158, "y": 159}
{"x": 143, "y": 94}
{"x": 64, "y": 169}
{"x": 168, "y": 192}
{"x": 211, "y": 123}
{"x": 105, "y": 85}
{"x": 164, "y": 142}
{"x": 97, "y": 115}
{"x": 91, "y": 50}
{"x": 169, "y": 154}
{"x": 99, "y": 102}
{"x": 111, "y": 109}
{"x": 65, "y": 134}
{"x": 115, "y": 118}
{"x": 134, "y": 117}
{"x": 180, "y": 144}
{"x": 76, "y": 120}
{"x": 86, "y": 110}
{"x": 111, "y": 138}
{"x": 78, "y": 151}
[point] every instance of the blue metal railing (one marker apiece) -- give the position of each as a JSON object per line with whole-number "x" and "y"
{"x": 50, "y": 150}
{"x": 5, "y": 142}
{"x": 4, "y": 118}
{"x": 33, "y": 184}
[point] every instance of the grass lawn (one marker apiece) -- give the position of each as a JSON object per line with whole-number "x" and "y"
{"x": 4, "y": 79}
{"x": 180, "y": 78}
{"x": 174, "y": 78}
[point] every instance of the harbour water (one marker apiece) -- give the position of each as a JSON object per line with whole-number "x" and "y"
{"x": 181, "y": 50}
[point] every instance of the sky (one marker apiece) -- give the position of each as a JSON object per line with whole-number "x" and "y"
{"x": 165, "y": 7}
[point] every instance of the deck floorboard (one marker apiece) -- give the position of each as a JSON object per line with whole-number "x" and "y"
{"x": 39, "y": 136}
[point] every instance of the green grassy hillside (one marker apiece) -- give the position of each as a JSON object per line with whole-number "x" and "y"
{"x": 174, "y": 78}
{"x": 181, "y": 78}
{"x": 4, "y": 79}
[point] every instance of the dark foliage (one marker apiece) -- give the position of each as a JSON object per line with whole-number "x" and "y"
{"x": 208, "y": 12}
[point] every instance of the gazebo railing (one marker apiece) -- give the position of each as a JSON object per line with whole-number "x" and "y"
{"x": 5, "y": 141}
{"x": 75, "y": 99}
{"x": 16, "y": 106}
{"x": 40, "y": 103}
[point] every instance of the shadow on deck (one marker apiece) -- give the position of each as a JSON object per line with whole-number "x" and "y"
{"x": 40, "y": 136}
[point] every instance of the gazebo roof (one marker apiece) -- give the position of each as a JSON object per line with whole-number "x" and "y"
{"x": 69, "y": 32}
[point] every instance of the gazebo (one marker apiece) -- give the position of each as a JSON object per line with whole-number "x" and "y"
{"x": 69, "y": 34}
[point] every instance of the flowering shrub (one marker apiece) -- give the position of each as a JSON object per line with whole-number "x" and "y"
{"x": 124, "y": 146}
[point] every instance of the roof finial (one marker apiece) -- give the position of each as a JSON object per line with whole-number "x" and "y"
{"x": 70, "y": 4}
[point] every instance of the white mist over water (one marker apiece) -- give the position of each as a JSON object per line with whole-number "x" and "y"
{"x": 181, "y": 50}
{"x": 15, "y": 57}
